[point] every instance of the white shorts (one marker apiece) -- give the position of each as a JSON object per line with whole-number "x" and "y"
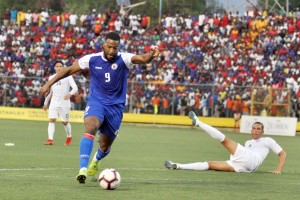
{"x": 244, "y": 160}
{"x": 62, "y": 112}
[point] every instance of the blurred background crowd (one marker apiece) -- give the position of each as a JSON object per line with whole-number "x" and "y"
{"x": 209, "y": 63}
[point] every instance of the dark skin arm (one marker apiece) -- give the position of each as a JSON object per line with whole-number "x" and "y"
{"x": 136, "y": 59}
{"x": 62, "y": 74}
{"x": 147, "y": 57}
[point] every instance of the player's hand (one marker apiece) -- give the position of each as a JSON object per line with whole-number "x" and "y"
{"x": 154, "y": 51}
{"x": 45, "y": 107}
{"x": 276, "y": 172}
{"x": 44, "y": 90}
{"x": 68, "y": 96}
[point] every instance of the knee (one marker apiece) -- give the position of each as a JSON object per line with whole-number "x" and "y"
{"x": 91, "y": 128}
{"x": 92, "y": 125}
{"x": 65, "y": 123}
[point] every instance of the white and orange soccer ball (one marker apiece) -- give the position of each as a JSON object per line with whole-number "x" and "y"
{"x": 109, "y": 179}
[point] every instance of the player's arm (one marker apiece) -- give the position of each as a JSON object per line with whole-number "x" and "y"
{"x": 74, "y": 88}
{"x": 47, "y": 99}
{"x": 62, "y": 74}
{"x": 282, "y": 158}
{"x": 147, "y": 57}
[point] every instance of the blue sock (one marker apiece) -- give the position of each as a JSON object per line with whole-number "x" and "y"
{"x": 100, "y": 154}
{"x": 86, "y": 147}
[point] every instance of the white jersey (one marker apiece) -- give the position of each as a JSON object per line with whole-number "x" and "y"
{"x": 262, "y": 146}
{"x": 249, "y": 157}
{"x": 59, "y": 90}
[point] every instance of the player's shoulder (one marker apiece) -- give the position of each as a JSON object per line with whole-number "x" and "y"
{"x": 268, "y": 139}
{"x": 50, "y": 77}
{"x": 126, "y": 56}
{"x": 248, "y": 141}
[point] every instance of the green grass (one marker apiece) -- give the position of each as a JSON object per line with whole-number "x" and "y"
{"x": 32, "y": 171}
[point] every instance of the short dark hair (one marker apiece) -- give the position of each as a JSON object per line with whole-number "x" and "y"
{"x": 59, "y": 61}
{"x": 262, "y": 125}
{"x": 113, "y": 36}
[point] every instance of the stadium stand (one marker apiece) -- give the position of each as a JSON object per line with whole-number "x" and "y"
{"x": 208, "y": 63}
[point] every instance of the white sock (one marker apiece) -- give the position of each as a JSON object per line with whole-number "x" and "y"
{"x": 194, "y": 166}
{"x": 51, "y": 130}
{"x": 213, "y": 132}
{"x": 83, "y": 168}
{"x": 95, "y": 157}
{"x": 68, "y": 130}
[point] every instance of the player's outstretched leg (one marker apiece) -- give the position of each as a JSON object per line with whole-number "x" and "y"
{"x": 189, "y": 166}
{"x": 170, "y": 165}
{"x": 82, "y": 176}
{"x": 213, "y": 132}
{"x": 194, "y": 118}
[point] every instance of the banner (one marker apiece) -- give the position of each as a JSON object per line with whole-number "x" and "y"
{"x": 38, "y": 114}
{"x": 285, "y": 126}
{"x": 35, "y": 114}
{"x": 273, "y": 125}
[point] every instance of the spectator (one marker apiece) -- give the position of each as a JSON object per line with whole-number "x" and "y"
{"x": 13, "y": 16}
{"x": 156, "y": 103}
{"x": 6, "y": 17}
{"x": 253, "y": 58}
{"x": 79, "y": 100}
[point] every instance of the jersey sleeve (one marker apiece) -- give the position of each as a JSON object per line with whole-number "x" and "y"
{"x": 84, "y": 61}
{"x": 127, "y": 59}
{"x": 73, "y": 86}
{"x": 48, "y": 97}
{"x": 273, "y": 145}
{"x": 247, "y": 143}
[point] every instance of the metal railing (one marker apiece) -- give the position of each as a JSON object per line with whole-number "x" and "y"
{"x": 142, "y": 97}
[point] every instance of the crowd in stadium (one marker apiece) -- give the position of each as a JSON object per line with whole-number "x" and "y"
{"x": 208, "y": 63}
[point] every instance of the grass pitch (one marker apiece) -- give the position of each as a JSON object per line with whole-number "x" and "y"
{"x": 32, "y": 171}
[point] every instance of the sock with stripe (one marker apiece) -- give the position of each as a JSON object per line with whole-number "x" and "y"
{"x": 99, "y": 155}
{"x": 86, "y": 147}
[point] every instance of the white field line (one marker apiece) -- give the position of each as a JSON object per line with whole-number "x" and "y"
{"x": 93, "y": 178}
{"x": 54, "y": 169}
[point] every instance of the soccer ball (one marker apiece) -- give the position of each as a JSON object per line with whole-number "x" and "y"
{"x": 109, "y": 179}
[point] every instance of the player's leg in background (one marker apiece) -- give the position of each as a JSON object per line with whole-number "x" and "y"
{"x": 229, "y": 144}
{"x": 64, "y": 114}
{"x": 201, "y": 166}
{"x": 68, "y": 129}
{"x": 213, "y": 132}
{"x": 51, "y": 131}
{"x": 52, "y": 115}
{"x": 189, "y": 166}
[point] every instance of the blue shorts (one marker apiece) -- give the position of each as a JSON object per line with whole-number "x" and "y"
{"x": 110, "y": 117}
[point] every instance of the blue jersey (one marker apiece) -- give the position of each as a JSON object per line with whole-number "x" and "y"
{"x": 108, "y": 80}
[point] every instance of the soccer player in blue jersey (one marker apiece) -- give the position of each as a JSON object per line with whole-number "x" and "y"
{"x": 106, "y": 101}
